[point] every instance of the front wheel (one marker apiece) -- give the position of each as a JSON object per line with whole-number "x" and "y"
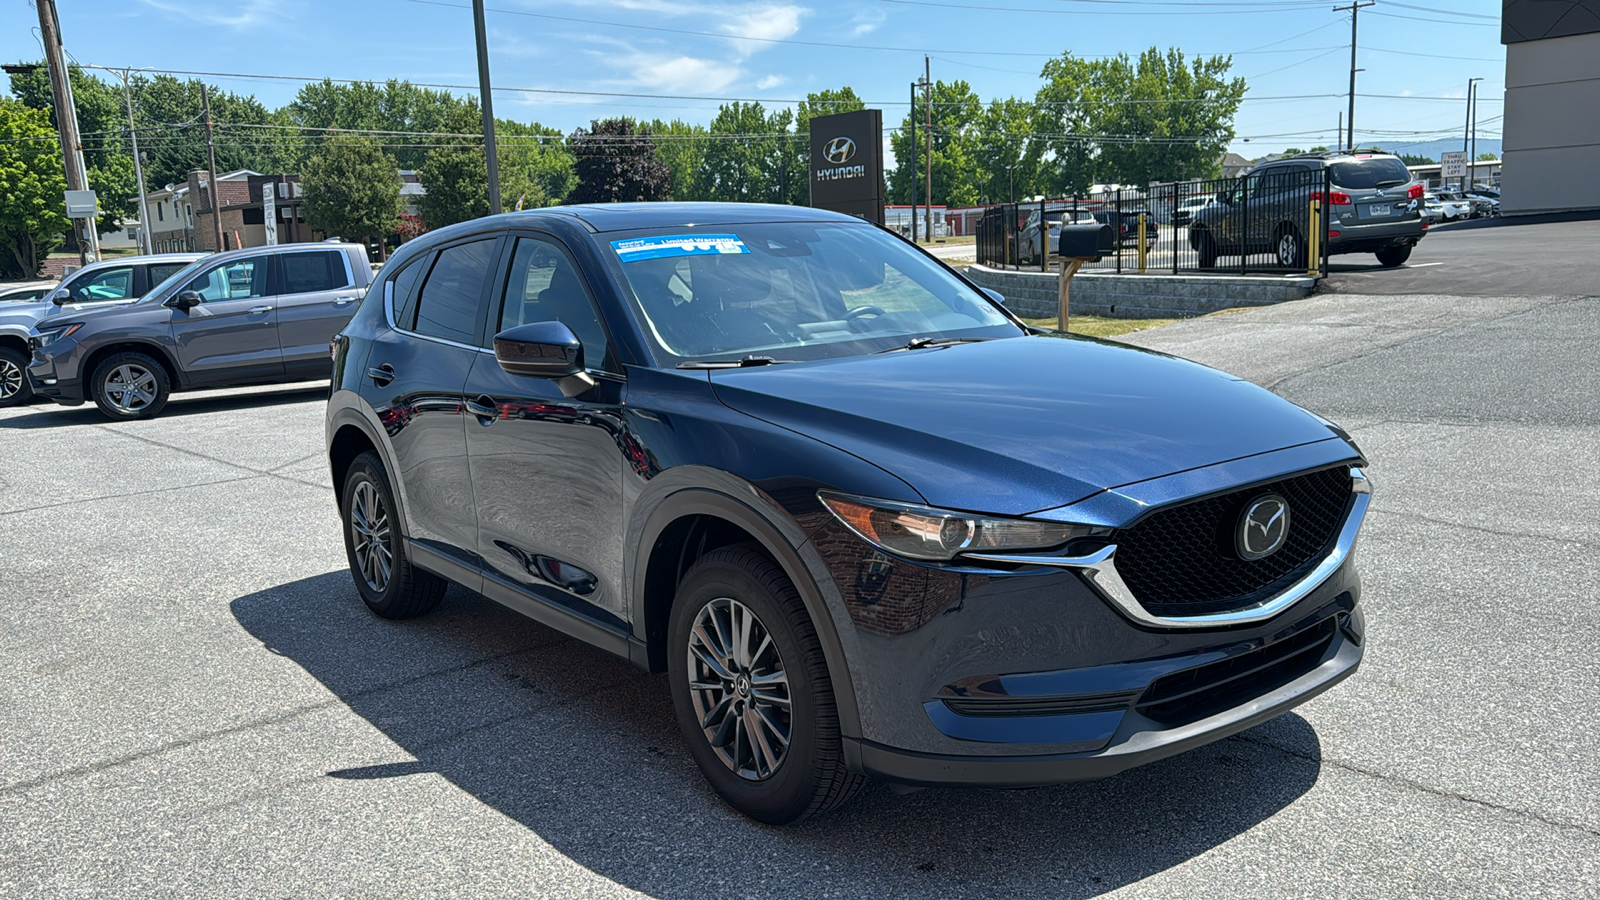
{"x": 751, "y": 689}
{"x": 130, "y": 385}
{"x": 1207, "y": 248}
{"x": 1394, "y": 256}
{"x": 14, "y": 387}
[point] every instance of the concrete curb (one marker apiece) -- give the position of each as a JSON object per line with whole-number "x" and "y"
{"x": 1033, "y": 294}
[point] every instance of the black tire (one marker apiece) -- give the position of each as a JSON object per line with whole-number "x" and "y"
{"x": 130, "y": 385}
{"x": 404, "y": 591}
{"x": 809, "y": 777}
{"x": 1394, "y": 256}
{"x": 15, "y": 389}
{"x": 1207, "y": 248}
{"x": 1289, "y": 248}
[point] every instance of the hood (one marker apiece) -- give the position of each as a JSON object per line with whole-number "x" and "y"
{"x": 1023, "y": 424}
{"x": 77, "y": 311}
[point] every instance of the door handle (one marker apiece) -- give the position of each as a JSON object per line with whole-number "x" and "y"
{"x": 484, "y": 408}
{"x": 343, "y": 301}
{"x": 260, "y": 309}
{"x": 381, "y": 375}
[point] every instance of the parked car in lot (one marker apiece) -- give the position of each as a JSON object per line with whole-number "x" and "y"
{"x": 1371, "y": 208}
{"x": 258, "y": 315}
{"x": 1453, "y": 206}
{"x": 816, "y": 478}
{"x": 1484, "y": 202}
{"x": 1184, "y": 214}
{"x": 1125, "y": 223}
{"x": 109, "y": 281}
{"x": 32, "y": 290}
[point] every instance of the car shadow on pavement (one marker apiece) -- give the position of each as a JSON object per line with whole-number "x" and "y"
{"x": 52, "y": 415}
{"x": 582, "y": 749}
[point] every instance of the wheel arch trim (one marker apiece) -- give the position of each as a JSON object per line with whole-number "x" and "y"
{"x": 344, "y": 415}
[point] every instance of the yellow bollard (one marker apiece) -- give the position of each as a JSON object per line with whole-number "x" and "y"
{"x": 1314, "y": 241}
{"x": 1144, "y": 248}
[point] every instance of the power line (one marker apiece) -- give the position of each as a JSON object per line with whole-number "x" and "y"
{"x": 1265, "y": 8}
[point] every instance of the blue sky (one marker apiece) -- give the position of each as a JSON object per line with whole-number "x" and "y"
{"x": 777, "y": 50}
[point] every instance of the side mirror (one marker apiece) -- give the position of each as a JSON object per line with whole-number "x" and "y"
{"x": 184, "y": 300}
{"x": 539, "y": 349}
{"x": 59, "y": 297}
{"x": 994, "y": 295}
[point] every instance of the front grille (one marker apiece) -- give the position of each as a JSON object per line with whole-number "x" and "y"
{"x": 1181, "y": 561}
{"x": 1193, "y": 694}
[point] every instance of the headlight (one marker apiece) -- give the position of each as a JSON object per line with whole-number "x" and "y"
{"x": 919, "y": 532}
{"x": 50, "y": 336}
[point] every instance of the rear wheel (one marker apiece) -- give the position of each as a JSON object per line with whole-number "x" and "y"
{"x": 1290, "y": 247}
{"x": 130, "y": 385}
{"x": 1394, "y": 256}
{"x": 384, "y": 576}
{"x": 14, "y": 387}
{"x": 751, "y": 689}
{"x": 1207, "y": 248}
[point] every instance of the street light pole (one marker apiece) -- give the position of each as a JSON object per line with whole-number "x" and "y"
{"x": 913, "y": 144}
{"x": 1466, "y": 131}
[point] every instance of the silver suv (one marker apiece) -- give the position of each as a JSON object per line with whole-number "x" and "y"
{"x": 1374, "y": 206}
{"x": 108, "y": 281}
{"x": 261, "y": 315}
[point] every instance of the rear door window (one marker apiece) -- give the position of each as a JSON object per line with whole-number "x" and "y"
{"x": 107, "y": 284}
{"x": 306, "y": 273}
{"x": 160, "y": 272}
{"x": 1370, "y": 174}
{"x": 452, "y": 297}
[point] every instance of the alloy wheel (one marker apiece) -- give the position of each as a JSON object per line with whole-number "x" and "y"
{"x": 10, "y": 379}
{"x": 1288, "y": 250}
{"x": 130, "y": 387}
{"x": 369, "y": 535}
{"x": 739, "y": 689}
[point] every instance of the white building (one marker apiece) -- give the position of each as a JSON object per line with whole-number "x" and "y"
{"x": 1552, "y": 95}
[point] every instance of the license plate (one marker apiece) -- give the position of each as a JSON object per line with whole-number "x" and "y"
{"x": 1380, "y": 209}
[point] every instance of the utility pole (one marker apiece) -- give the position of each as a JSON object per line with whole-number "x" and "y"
{"x": 1472, "y": 154}
{"x": 927, "y": 87}
{"x": 215, "y": 198}
{"x": 138, "y": 169}
{"x": 488, "y": 109}
{"x": 1355, "y": 8}
{"x": 912, "y": 118}
{"x": 1338, "y": 136}
{"x": 86, "y": 230}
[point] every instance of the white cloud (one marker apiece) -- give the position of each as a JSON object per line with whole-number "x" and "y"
{"x": 238, "y": 15}
{"x": 866, "y": 22}
{"x": 768, "y": 82}
{"x": 683, "y": 74}
{"x": 768, "y": 23}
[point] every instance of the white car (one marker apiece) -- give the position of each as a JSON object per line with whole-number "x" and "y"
{"x": 1453, "y": 206}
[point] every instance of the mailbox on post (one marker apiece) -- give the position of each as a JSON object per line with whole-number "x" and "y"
{"x": 1079, "y": 244}
{"x": 1088, "y": 241}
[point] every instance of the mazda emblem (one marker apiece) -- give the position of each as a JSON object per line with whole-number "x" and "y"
{"x": 1263, "y": 527}
{"x": 839, "y": 151}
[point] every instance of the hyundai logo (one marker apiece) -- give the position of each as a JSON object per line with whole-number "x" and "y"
{"x": 839, "y": 151}
{"x": 1263, "y": 527}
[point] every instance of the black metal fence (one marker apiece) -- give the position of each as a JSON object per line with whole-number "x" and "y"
{"x": 1269, "y": 224}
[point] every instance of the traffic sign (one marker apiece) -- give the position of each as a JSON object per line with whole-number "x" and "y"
{"x": 1454, "y": 164}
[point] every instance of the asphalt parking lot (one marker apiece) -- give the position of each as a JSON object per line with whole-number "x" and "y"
{"x": 193, "y": 701}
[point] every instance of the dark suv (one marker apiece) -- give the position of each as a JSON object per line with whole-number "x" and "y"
{"x": 866, "y": 522}
{"x": 1373, "y": 204}
{"x": 258, "y": 315}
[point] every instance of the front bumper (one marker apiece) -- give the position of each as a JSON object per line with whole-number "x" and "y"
{"x": 1134, "y": 740}
{"x": 1036, "y": 674}
{"x": 48, "y": 382}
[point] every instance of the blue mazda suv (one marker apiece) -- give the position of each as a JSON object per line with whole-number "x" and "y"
{"x": 866, "y": 522}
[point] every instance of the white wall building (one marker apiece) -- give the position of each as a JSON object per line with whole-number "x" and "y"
{"x": 1552, "y": 97}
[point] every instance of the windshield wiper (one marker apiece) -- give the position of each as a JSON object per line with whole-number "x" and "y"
{"x": 918, "y": 343}
{"x": 1383, "y": 184}
{"x": 744, "y": 363}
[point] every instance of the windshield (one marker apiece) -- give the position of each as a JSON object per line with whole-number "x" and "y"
{"x": 1370, "y": 174}
{"x": 175, "y": 278}
{"x": 794, "y": 291}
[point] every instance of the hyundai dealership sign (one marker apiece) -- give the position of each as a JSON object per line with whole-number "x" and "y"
{"x": 847, "y": 163}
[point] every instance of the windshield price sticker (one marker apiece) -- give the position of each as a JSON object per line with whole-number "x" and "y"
{"x": 635, "y": 249}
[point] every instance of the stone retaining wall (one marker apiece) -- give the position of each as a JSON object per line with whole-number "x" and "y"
{"x": 1033, "y": 294}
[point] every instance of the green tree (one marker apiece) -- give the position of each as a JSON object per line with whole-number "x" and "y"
{"x": 616, "y": 160}
{"x": 956, "y": 113}
{"x": 103, "y": 124}
{"x": 455, "y": 175}
{"x": 1176, "y": 118}
{"x": 681, "y": 147}
{"x": 352, "y": 188}
{"x": 1005, "y": 157}
{"x": 33, "y": 216}
{"x": 396, "y": 106}
{"x": 535, "y": 160}
{"x": 746, "y": 156}
{"x": 1483, "y": 157}
{"x": 172, "y": 131}
{"x": 1069, "y": 111}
